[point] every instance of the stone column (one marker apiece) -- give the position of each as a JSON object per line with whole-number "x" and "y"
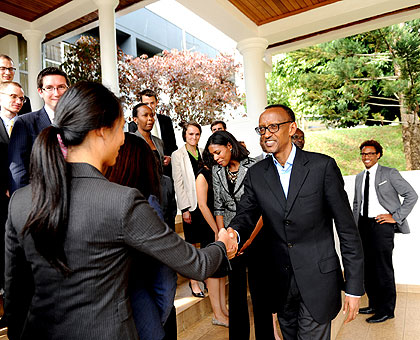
{"x": 108, "y": 43}
{"x": 34, "y": 40}
{"x": 9, "y": 46}
{"x": 253, "y": 50}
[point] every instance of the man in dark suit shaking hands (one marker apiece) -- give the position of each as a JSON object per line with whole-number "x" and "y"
{"x": 379, "y": 213}
{"x": 52, "y": 83}
{"x": 299, "y": 194}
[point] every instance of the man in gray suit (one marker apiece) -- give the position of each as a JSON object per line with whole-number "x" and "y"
{"x": 379, "y": 213}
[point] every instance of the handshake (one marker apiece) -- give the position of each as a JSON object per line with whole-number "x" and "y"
{"x": 230, "y": 239}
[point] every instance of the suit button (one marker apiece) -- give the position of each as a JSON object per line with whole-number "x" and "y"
{"x": 287, "y": 222}
{"x": 290, "y": 245}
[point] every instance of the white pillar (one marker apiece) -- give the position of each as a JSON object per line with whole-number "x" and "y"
{"x": 34, "y": 40}
{"x": 253, "y": 50}
{"x": 108, "y": 43}
{"x": 9, "y": 46}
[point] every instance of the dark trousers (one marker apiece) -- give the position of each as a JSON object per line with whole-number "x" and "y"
{"x": 378, "y": 244}
{"x": 296, "y": 323}
{"x": 170, "y": 326}
{"x": 239, "y": 327}
{"x": 4, "y": 201}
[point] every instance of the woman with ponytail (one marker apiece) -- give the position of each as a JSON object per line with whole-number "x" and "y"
{"x": 76, "y": 231}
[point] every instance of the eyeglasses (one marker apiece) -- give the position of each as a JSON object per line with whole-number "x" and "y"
{"x": 364, "y": 154}
{"x": 273, "y": 128}
{"x": 10, "y": 69}
{"x": 295, "y": 137}
{"x": 15, "y": 97}
{"x": 59, "y": 88}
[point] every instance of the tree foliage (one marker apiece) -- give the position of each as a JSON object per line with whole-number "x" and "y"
{"x": 367, "y": 78}
{"x": 190, "y": 85}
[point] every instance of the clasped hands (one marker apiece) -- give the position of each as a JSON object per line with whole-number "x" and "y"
{"x": 230, "y": 239}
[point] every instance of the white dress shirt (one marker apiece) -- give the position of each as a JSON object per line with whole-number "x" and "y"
{"x": 50, "y": 113}
{"x": 8, "y": 122}
{"x": 374, "y": 207}
{"x": 286, "y": 170}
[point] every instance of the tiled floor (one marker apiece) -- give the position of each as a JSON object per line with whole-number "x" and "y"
{"x": 405, "y": 325}
{"x": 205, "y": 330}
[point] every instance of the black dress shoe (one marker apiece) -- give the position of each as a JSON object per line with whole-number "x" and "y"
{"x": 367, "y": 310}
{"x": 199, "y": 295}
{"x": 377, "y": 318}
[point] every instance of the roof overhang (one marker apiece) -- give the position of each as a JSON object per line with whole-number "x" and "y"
{"x": 287, "y": 25}
{"x": 327, "y": 21}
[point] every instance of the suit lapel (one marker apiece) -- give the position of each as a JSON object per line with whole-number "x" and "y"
{"x": 378, "y": 179}
{"x": 243, "y": 168}
{"x": 222, "y": 178}
{"x": 273, "y": 182}
{"x": 43, "y": 121}
{"x": 4, "y": 136}
{"x": 358, "y": 186}
{"x": 297, "y": 178}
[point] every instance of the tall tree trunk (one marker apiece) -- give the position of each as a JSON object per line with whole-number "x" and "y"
{"x": 410, "y": 129}
{"x": 410, "y": 135}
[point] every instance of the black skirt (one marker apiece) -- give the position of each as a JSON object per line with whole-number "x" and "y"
{"x": 198, "y": 231}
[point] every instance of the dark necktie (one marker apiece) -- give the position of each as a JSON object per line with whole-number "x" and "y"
{"x": 366, "y": 196}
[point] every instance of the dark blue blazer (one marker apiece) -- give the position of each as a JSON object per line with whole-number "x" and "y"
{"x": 4, "y": 165}
{"x": 25, "y": 130}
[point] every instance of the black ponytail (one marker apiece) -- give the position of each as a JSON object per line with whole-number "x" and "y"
{"x": 84, "y": 107}
{"x": 47, "y": 221}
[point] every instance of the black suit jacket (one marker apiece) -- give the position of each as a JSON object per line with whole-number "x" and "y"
{"x": 299, "y": 231}
{"x": 4, "y": 199}
{"x": 4, "y": 164}
{"x": 26, "y": 107}
{"x": 25, "y": 130}
{"x": 167, "y": 133}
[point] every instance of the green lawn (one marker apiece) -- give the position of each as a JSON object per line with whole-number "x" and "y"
{"x": 343, "y": 145}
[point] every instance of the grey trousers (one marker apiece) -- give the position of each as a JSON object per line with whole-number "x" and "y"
{"x": 296, "y": 323}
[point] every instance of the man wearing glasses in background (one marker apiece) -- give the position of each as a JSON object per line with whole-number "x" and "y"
{"x": 52, "y": 83}
{"x": 379, "y": 214}
{"x": 7, "y": 73}
{"x": 11, "y": 101}
{"x": 299, "y": 138}
{"x": 298, "y": 194}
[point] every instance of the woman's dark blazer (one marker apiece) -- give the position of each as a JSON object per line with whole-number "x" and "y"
{"x": 106, "y": 222}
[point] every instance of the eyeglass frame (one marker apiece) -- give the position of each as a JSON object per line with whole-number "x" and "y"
{"x": 52, "y": 88}
{"x": 10, "y": 69}
{"x": 276, "y": 128}
{"x": 15, "y": 96}
{"x": 370, "y": 154}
